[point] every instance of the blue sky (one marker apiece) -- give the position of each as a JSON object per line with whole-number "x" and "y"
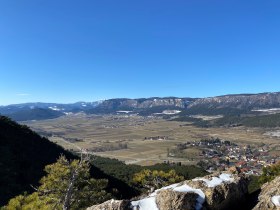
{"x": 67, "y": 51}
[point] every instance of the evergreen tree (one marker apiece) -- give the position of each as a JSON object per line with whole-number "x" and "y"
{"x": 270, "y": 173}
{"x": 152, "y": 180}
{"x": 66, "y": 186}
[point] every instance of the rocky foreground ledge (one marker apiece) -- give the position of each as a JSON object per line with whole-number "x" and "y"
{"x": 269, "y": 198}
{"x": 216, "y": 191}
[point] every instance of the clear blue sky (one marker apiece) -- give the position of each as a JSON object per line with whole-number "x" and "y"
{"x": 66, "y": 51}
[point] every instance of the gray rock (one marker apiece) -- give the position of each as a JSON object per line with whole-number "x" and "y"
{"x": 268, "y": 190}
{"x": 172, "y": 200}
{"x": 111, "y": 205}
{"x": 224, "y": 196}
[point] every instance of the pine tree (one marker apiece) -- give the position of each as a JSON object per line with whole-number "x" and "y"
{"x": 269, "y": 173}
{"x": 66, "y": 186}
{"x": 152, "y": 180}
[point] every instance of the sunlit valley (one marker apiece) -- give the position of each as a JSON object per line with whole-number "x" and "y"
{"x": 139, "y": 105}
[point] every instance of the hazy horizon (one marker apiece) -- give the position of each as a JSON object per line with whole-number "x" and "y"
{"x": 71, "y": 102}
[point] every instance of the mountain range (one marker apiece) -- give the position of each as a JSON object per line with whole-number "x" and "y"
{"x": 236, "y": 103}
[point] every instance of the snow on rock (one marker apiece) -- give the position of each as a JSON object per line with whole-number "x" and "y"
{"x": 145, "y": 204}
{"x": 276, "y": 200}
{"x": 215, "y": 181}
{"x": 149, "y": 203}
{"x": 201, "y": 196}
{"x": 216, "y": 191}
{"x": 226, "y": 177}
{"x": 269, "y": 198}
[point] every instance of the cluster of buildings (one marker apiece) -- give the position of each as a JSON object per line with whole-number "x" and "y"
{"x": 217, "y": 154}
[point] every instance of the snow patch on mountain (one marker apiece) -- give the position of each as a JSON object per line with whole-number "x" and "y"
{"x": 55, "y": 108}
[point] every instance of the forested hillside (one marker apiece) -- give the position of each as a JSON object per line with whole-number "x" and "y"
{"x": 35, "y": 114}
{"x": 23, "y": 156}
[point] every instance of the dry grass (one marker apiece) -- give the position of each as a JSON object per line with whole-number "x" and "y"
{"x": 95, "y": 131}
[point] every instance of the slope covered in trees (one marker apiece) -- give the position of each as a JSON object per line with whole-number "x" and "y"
{"x": 264, "y": 121}
{"x": 124, "y": 174}
{"x": 35, "y": 114}
{"x": 23, "y": 156}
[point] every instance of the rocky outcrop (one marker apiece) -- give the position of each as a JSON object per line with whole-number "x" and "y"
{"x": 111, "y": 205}
{"x": 172, "y": 200}
{"x": 220, "y": 191}
{"x": 224, "y": 195}
{"x": 269, "y": 198}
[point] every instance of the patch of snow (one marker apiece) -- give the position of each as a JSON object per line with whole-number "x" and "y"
{"x": 273, "y": 133}
{"x": 55, "y": 108}
{"x": 207, "y": 117}
{"x": 169, "y": 187}
{"x": 169, "y": 112}
{"x": 145, "y": 204}
{"x": 149, "y": 203}
{"x": 126, "y": 112}
{"x": 165, "y": 188}
{"x": 266, "y": 110}
{"x": 201, "y": 196}
{"x": 215, "y": 181}
{"x": 276, "y": 200}
{"x": 226, "y": 177}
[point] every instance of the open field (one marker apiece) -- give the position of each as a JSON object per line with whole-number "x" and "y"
{"x": 123, "y": 136}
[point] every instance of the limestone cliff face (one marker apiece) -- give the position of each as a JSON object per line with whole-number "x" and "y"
{"x": 144, "y": 103}
{"x": 241, "y": 101}
{"x": 249, "y": 101}
{"x": 220, "y": 191}
{"x": 269, "y": 198}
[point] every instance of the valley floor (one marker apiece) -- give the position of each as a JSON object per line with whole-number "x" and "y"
{"x": 144, "y": 140}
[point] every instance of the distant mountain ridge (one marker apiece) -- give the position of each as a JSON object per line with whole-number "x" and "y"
{"x": 42, "y": 111}
{"x": 261, "y": 100}
{"x": 71, "y": 107}
{"x": 235, "y": 103}
{"x": 146, "y": 102}
{"x": 142, "y": 105}
{"x": 211, "y": 105}
{"x": 35, "y": 114}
